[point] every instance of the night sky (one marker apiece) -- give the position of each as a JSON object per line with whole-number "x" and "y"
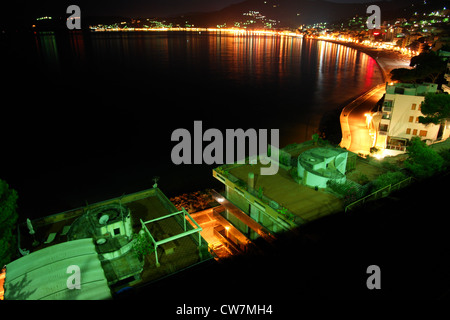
{"x": 167, "y": 7}
{"x": 18, "y": 9}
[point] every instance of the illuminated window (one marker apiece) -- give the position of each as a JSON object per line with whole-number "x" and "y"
{"x": 423, "y": 133}
{"x": 413, "y": 107}
{"x": 415, "y": 132}
{"x": 417, "y": 119}
{"x": 411, "y": 119}
{"x": 408, "y": 131}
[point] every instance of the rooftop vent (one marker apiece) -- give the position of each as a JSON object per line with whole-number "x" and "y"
{"x": 103, "y": 219}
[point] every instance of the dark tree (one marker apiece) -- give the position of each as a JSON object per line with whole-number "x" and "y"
{"x": 8, "y": 219}
{"x": 427, "y": 66}
{"x": 423, "y": 162}
{"x": 435, "y": 108}
{"x": 405, "y": 75}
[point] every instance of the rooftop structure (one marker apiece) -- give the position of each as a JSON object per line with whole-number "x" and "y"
{"x": 318, "y": 166}
{"x": 287, "y": 199}
{"x": 42, "y": 275}
{"x": 411, "y": 89}
{"x": 112, "y": 227}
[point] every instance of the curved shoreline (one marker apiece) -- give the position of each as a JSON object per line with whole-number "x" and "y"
{"x": 386, "y": 60}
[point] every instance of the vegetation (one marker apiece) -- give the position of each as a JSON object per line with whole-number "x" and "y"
{"x": 362, "y": 179}
{"x": 285, "y": 158}
{"x": 423, "y": 162}
{"x": 427, "y": 66}
{"x": 436, "y": 108}
{"x": 143, "y": 245}
{"x": 286, "y": 213}
{"x": 315, "y": 138}
{"x": 349, "y": 191}
{"x": 388, "y": 178}
{"x": 8, "y": 219}
{"x": 260, "y": 192}
{"x": 405, "y": 75}
{"x": 445, "y": 154}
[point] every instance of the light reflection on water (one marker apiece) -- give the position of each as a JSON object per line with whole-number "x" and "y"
{"x": 265, "y": 81}
{"x": 308, "y": 76}
{"x": 124, "y": 94}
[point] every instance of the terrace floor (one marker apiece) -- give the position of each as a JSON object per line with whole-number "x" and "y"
{"x": 301, "y": 200}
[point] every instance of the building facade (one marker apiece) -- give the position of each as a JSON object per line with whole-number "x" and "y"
{"x": 398, "y": 120}
{"x": 446, "y": 86}
{"x": 293, "y": 196}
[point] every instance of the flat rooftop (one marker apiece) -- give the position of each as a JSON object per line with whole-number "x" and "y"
{"x": 145, "y": 205}
{"x": 303, "y": 201}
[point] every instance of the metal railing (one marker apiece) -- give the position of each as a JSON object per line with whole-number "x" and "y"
{"x": 381, "y": 193}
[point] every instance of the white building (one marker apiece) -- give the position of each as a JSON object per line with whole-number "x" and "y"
{"x": 446, "y": 87}
{"x": 319, "y": 165}
{"x": 398, "y": 121}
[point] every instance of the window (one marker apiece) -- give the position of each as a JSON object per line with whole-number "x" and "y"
{"x": 411, "y": 119}
{"x": 388, "y": 103}
{"x": 417, "y": 119}
{"x": 415, "y": 132}
{"x": 383, "y": 127}
{"x": 420, "y": 107}
{"x": 408, "y": 131}
{"x": 116, "y": 231}
{"x": 423, "y": 133}
{"x": 413, "y": 107}
{"x": 399, "y": 90}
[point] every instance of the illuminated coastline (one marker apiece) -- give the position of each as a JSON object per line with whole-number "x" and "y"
{"x": 234, "y": 31}
{"x": 245, "y": 32}
{"x": 369, "y": 44}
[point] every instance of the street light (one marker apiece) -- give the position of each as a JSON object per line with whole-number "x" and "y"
{"x": 368, "y": 119}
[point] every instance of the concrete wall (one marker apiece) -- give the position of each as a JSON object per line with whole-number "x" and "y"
{"x": 401, "y": 113}
{"x": 253, "y": 211}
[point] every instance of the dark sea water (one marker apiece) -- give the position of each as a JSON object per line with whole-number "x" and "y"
{"x": 86, "y": 117}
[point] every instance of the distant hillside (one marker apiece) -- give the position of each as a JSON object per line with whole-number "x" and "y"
{"x": 292, "y": 13}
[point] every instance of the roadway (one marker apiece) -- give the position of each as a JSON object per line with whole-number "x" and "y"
{"x": 355, "y": 131}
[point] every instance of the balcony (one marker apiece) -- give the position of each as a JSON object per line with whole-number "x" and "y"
{"x": 398, "y": 144}
{"x": 396, "y": 147}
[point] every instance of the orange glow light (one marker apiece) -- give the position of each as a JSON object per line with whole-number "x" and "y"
{"x": 2, "y": 281}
